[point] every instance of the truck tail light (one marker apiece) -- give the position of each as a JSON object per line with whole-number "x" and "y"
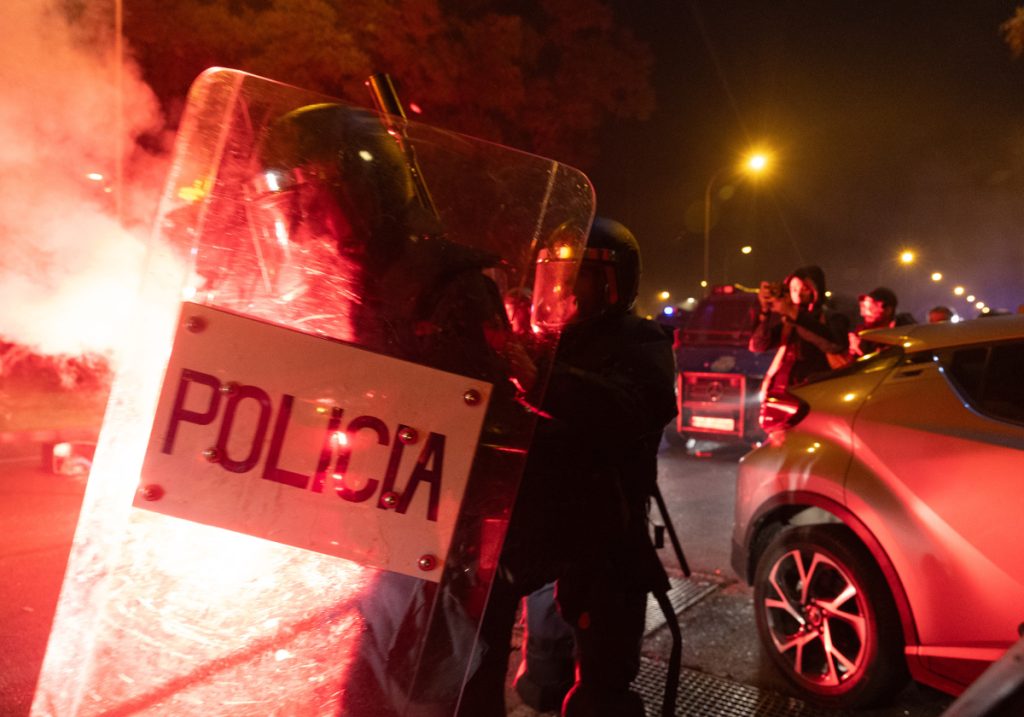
{"x": 778, "y": 412}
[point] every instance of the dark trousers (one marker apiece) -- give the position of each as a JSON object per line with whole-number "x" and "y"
{"x": 607, "y": 618}
{"x": 547, "y": 668}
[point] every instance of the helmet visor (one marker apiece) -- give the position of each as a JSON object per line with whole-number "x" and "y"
{"x": 554, "y": 303}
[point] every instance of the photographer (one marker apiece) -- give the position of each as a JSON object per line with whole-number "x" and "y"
{"x": 794, "y": 322}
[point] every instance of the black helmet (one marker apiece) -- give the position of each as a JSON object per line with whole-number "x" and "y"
{"x": 608, "y": 277}
{"x": 612, "y": 246}
{"x": 336, "y": 168}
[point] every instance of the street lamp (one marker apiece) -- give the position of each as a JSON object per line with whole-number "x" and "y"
{"x": 755, "y": 163}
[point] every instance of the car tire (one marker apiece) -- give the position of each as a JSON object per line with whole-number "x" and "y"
{"x": 827, "y": 619}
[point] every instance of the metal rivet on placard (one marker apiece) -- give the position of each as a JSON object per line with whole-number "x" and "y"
{"x": 229, "y": 388}
{"x": 212, "y": 455}
{"x": 408, "y": 435}
{"x": 427, "y": 562}
{"x": 152, "y": 492}
{"x": 471, "y": 397}
{"x": 195, "y": 324}
{"x": 389, "y": 499}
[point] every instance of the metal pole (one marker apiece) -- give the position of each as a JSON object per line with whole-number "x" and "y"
{"x": 707, "y": 228}
{"x": 119, "y": 110}
{"x": 676, "y": 545}
{"x": 707, "y": 225}
{"x": 386, "y": 98}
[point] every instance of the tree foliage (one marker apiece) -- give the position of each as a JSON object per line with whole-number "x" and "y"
{"x": 543, "y": 78}
{"x": 1013, "y": 32}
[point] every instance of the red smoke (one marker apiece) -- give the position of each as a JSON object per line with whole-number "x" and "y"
{"x": 72, "y": 237}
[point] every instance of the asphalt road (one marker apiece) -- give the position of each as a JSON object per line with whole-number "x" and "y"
{"x": 38, "y": 512}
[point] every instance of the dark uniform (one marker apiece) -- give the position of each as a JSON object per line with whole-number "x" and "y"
{"x": 581, "y": 515}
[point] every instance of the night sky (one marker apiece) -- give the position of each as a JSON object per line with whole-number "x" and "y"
{"x": 893, "y": 124}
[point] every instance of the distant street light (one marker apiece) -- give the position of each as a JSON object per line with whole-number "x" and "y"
{"x": 907, "y": 257}
{"x": 959, "y": 291}
{"x": 746, "y": 249}
{"x": 756, "y": 163}
{"x": 937, "y": 276}
{"x": 664, "y": 295}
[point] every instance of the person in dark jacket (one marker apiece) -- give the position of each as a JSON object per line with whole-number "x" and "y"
{"x": 877, "y": 311}
{"x": 581, "y": 516}
{"x": 794, "y": 323}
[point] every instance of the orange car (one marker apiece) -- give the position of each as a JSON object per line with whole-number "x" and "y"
{"x": 880, "y": 523}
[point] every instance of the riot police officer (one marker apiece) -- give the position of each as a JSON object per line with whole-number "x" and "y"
{"x": 334, "y": 207}
{"x": 580, "y": 518}
{"x": 335, "y": 211}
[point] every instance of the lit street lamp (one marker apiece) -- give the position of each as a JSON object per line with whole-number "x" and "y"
{"x": 755, "y": 164}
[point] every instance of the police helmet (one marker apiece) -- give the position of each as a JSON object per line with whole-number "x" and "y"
{"x": 608, "y": 275}
{"x": 612, "y": 248}
{"x": 336, "y": 168}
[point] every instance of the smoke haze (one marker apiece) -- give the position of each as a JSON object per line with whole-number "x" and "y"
{"x": 69, "y": 268}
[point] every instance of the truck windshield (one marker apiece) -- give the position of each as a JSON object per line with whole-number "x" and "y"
{"x": 722, "y": 320}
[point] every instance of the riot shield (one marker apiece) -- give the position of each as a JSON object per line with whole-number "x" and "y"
{"x": 309, "y": 458}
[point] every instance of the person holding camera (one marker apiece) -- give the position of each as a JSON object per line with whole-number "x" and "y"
{"x": 793, "y": 321}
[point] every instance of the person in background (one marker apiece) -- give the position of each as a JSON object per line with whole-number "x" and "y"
{"x": 938, "y": 314}
{"x": 877, "y": 311}
{"x": 794, "y": 322}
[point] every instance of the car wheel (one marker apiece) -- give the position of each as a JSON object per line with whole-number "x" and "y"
{"x": 826, "y": 617}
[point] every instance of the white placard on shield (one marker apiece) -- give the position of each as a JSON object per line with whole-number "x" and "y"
{"x": 308, "y": 442}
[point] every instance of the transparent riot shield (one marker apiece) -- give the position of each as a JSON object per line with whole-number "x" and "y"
{"x": 309, "y": 459}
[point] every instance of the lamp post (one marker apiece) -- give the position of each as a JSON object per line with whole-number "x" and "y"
{"x": 707, "y": 224}
{"x": 755, "y": 163}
